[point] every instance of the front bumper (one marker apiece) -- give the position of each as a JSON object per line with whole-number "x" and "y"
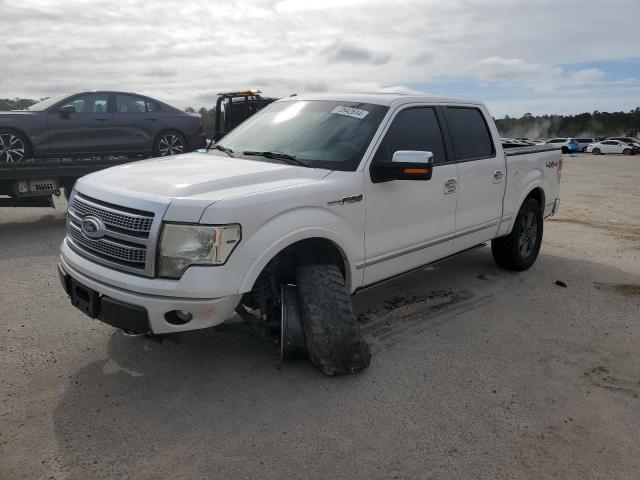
{"x": 142, "y": 313}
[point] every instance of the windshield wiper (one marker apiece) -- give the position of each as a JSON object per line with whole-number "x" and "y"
{"x": 226, "y": 150}
{"x": 290, "y": 159}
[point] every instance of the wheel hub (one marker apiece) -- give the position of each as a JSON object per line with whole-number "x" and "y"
{"x": 529, "y": 234}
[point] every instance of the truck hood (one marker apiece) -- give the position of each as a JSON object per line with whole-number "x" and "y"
{"x": 196, "y": 178}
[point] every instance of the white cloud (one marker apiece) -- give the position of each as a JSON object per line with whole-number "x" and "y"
{"x": 184, "y": 52}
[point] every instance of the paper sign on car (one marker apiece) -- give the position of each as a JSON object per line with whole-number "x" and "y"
{"x": 350, "y": 112}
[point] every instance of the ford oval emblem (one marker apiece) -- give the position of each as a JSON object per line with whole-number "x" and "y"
{"x": 93, "y": 227}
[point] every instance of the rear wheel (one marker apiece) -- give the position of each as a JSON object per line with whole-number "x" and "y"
{"x": 169, "y": 143}
{"x": 333, "y": 338}
{"x": 519, "y": 250}
{"x": 14, "y": 147}
{"x": 626, "y": 151}
{"x": 596, "y": 151}
{"x": 565, "y": 150}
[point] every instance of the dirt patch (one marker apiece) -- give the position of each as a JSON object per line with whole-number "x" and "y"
{"x": 622, "y": 231}
{"x": 600, "y": 376}
{"x": 626, "y": 289}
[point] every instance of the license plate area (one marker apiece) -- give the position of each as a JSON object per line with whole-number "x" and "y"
{"x": 84, "y": 299}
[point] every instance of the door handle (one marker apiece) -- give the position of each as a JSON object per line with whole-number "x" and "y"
{"x": 100, "y": 119}
{"x": 498, "y": 175}
{"x": 151, "y": 119}
{"x": 450, "y": 186}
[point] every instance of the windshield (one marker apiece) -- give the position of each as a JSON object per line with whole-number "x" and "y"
{"x": 46, "y": 103}
{"x": 318, "y": 133}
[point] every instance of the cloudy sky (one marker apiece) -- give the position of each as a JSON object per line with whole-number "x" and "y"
{"x": 539, "y": 56}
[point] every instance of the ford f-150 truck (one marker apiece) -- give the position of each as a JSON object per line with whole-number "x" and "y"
{"x": 303, "y": 204}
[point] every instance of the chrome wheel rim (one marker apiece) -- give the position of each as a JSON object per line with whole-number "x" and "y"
{"x": 11, "y": 148}
{"x": 528, "y": 234}
{"x": 170, "y": 145}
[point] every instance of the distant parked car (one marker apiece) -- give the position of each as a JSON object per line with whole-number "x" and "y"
{"x": 612, "y": 146}
{"x": 583, "y": 143}
{"x": 629, "y": 140}
{"x": 568, "y": 145}
{"x": 98, "y": 123}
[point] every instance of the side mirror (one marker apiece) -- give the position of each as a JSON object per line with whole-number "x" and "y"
{"x": 68, "y": 109}
{"x": 405, "y": 165}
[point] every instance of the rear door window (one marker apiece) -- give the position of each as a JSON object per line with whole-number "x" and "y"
{"x": 130, "y": 104}
{"x": 469, "y": 133}
{"x": 413, "y": 129}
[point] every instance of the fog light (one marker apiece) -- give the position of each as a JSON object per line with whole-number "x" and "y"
{"x": 178, "y": 317}
{"x": 23, "y": 187}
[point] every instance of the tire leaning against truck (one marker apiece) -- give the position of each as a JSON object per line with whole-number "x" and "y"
{"x": 334, "y": 341}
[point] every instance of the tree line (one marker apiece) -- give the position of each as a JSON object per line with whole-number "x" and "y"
{"x": 594, "y": 124}
{"x": 582, "y": 125}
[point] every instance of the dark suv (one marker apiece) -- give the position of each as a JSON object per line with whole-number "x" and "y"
{"x": 98, "y": 123}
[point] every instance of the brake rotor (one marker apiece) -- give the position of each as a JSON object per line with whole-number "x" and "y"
{"x": 292, "y": 340}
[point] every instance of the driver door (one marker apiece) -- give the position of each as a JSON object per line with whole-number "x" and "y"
{"x": 410, "y": 222}
{"x": 88, "y": 130}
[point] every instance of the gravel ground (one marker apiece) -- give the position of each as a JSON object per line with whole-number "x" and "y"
{"x": 477, "y": 372}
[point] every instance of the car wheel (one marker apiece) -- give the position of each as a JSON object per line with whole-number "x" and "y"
{"x": 565, "y": 150}
{"x": 14, "y": 147}
{"x": 596, "y": 151}
{"x": 519, "y": 250}
{"x": 333, "y": 338}
{"x": 169, "y": 143}
{"x": 626, "y": 151}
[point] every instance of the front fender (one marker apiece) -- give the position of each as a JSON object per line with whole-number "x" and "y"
{"x": 311, "y": 222}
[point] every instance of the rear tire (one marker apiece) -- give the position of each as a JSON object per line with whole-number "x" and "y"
{"x": 169, "y": 143}
{"x": 596, "y": 151}
{"x": 333, "y": 338}
{"x": 14, "y": 147}
{"x": 565, "y": 150}
{"x": 519, "y": 250}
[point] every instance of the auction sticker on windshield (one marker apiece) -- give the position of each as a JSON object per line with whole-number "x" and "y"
{"x": 350, "y": 112}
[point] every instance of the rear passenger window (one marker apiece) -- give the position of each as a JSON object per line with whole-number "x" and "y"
{"x": 469, "y": 133}
{"x": 413, "y": 129}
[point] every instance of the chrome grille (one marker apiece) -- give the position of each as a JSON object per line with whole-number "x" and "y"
{"x": 108, "y": 248}
{"x": 128, "y": 236}
{"x": 127, "y": 221}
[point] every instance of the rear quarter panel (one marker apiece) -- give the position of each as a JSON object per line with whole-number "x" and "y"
{"x": 525, "y": 172}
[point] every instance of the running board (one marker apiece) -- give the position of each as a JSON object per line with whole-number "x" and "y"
{"x": 435, "y": 262}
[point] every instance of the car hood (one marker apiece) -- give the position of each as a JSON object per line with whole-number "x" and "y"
{"x": 195, "y": 178}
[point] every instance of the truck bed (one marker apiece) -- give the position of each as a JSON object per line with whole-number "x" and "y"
{"x": 510, "y": 152}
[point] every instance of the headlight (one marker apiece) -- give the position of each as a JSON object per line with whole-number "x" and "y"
{"x": 184, "y": 245}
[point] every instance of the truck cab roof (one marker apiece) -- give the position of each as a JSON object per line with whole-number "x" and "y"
{"x": 385, "y": 99}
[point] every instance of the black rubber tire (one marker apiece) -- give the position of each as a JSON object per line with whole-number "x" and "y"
{"x": 506, "y": 251}
{"x": 333, "y": 338}
{"x": 565, "y": 150}
{"x": 596, "y": 151}
{"x": 25, "y": 142}
{"x": 156, "y": 144}
{"x": 626, "y": 151}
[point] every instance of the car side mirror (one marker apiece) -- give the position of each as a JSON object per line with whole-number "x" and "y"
{"x": 405, "y": 165}
{"x": 68, "y": 109}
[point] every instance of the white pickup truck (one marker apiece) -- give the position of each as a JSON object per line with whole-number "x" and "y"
{"x": 327, "y": 193}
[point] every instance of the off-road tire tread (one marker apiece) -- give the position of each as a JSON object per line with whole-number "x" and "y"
{"x": 334, "y": 341}
{"x": 505, "y": 249}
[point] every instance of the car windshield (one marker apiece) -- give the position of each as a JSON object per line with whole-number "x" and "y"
{"x": 316, "y": 133}
{"x": 46, "y": 103}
